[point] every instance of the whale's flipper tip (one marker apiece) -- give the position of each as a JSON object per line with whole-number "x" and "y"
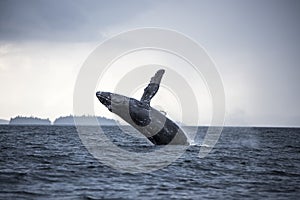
{"x": 157, "y": 77}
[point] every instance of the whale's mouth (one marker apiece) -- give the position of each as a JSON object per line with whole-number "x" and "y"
{"x": 104, "y": 98}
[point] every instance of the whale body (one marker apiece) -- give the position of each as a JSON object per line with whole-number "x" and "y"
{"x": 153, "y": 124}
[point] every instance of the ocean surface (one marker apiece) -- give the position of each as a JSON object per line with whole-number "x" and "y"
{"x": 51, "y": 162}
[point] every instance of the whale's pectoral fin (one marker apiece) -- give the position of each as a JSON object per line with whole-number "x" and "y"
{"x": 152, "y": 87}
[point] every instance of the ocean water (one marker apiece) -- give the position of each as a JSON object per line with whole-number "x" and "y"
{"x": 50, "y": 162}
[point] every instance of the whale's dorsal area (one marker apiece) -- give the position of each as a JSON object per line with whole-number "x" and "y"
{"x": 153, "y": 124}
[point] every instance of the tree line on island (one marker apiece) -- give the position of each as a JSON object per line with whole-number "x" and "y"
{"x": 85, "y": 120}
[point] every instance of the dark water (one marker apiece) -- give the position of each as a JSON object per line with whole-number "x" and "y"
{"x": 48, "y": 162}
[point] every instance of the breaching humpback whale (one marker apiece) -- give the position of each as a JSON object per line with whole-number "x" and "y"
{"x": 150, "y": 122}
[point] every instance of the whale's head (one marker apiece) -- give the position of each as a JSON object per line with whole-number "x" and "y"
{"x": 114, "y": 102}
{"x": 105, "y": 99}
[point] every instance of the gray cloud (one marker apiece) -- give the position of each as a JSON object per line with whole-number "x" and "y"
{"x": 68, "y": 20}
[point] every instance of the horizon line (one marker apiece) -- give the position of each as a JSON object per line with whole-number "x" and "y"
{"x": 199, "y": 125}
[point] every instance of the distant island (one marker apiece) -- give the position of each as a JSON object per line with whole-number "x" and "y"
{"x": 84, "y": 121}
{"x": 3, "y": 121}
{"x": 19, "y": 120}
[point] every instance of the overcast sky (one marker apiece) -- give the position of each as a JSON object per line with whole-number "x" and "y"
{"x": 255, "y": 45}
